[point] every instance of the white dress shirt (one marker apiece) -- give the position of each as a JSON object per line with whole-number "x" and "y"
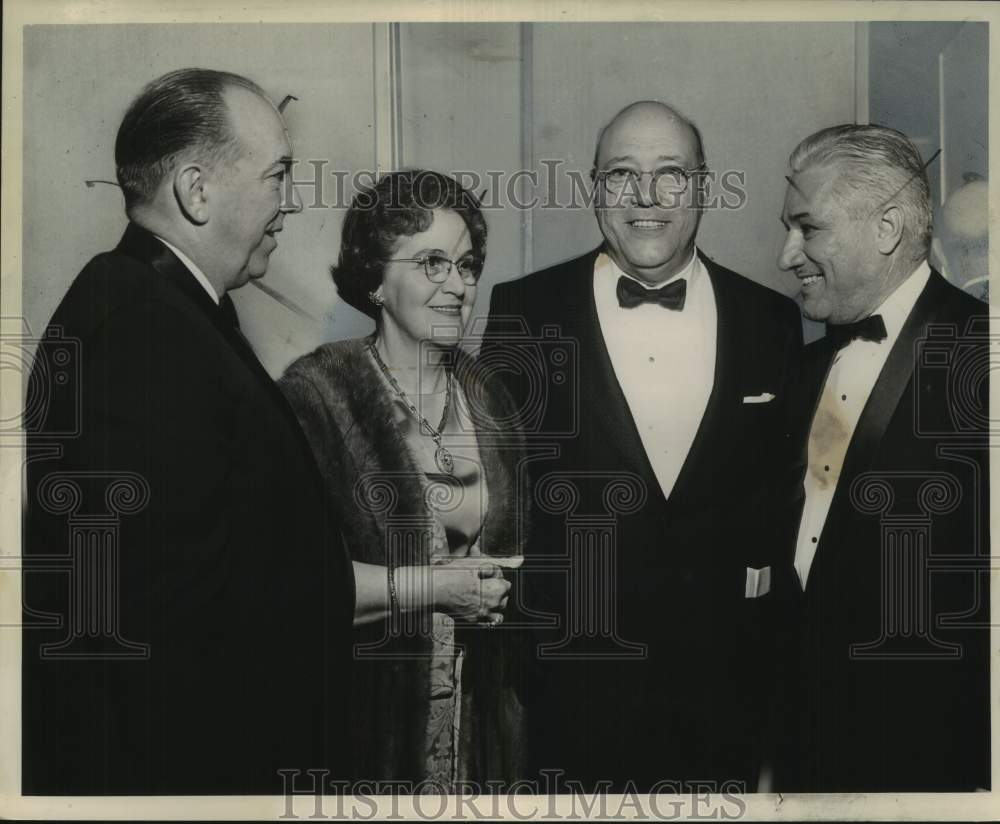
{"x": 850, "y": 382}
{"x": 664, "y": 360}
{"x": 198, "y": 274}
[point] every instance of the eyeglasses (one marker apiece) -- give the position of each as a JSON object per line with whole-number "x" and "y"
{"x": 438, "y": 267}
{"x": 668, "y": 181}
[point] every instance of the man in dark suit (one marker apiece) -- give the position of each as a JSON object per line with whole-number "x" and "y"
{"x": 891, "y": 692}
{"x": 661, "y": 487}
{"x": 201, "y": 640}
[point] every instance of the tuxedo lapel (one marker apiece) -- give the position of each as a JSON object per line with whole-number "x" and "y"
{"x": 604, "y": 401}
{"x": 892, "y": 382}
{"x": 614, "y": 413}
{"x": 722, "y": 399}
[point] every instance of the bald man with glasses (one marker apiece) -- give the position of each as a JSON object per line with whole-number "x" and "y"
{"x": 650, "y": 668}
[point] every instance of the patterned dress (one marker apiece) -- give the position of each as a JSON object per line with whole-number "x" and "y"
{"x": 458, "y": 503}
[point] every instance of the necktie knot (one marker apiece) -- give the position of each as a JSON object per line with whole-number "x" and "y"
{"x": 227, "y": 311}
{"x": 631, "y": 294}
{"x": 871, "y": 328}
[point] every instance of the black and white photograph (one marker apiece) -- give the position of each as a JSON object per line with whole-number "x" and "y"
{"x": 475, "y": 411}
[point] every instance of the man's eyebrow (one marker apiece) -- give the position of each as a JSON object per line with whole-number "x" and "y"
{"x": 619, "y": 159}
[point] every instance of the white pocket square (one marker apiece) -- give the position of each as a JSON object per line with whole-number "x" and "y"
{"x": 763, "y": 397}
{"x": 758, "y": 582}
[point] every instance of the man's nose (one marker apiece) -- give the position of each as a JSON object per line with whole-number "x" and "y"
{"x": 791, "y": 255}
{"x": 644, "y": 191}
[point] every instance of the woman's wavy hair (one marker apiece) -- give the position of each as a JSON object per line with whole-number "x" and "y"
{"x": 399, "y": 204}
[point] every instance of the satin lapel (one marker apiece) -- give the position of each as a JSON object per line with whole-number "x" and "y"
{"x": 892, "y": 382}
{"x": 601, "y": 395}
{"x": 729, "y": 321}
{"x": 881, "y": 406}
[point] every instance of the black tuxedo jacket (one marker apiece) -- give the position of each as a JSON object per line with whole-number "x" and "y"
{"x": 229, "y": 567}
{"x": 661, "y": 677}
{"x": 892, "y": 687}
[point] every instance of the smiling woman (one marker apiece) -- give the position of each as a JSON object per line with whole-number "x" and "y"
{"x": 409, "y": 436}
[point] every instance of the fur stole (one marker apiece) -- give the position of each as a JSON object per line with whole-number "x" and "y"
{"x": 371, "y": 480}
{"x": 347, "y": 412}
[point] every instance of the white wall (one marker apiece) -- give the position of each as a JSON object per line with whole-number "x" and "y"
{"x": 472, "y": 97}
{"x": 72, "y": 111}
{"x": 461, "y": 107}
{"x": 754, "y": 90}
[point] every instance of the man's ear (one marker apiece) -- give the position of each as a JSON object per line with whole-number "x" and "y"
{"x": 189, "y": 192}
{"x": 890, "y": 229}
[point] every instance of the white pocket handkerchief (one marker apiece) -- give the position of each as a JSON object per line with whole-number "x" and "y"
{"x": 763, "y": 397}
{"x": 758, "y": 582}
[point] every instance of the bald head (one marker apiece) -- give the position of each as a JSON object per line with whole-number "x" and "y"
{"x": 649, "y": 117}
{"x": 648, "y": 236}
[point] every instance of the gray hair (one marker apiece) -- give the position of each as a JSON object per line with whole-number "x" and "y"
{"x": 877, "y": 166}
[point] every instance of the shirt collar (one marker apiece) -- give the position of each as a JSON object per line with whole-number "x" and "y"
{"x": 198, "y": 274}
{"x": 896, "y": 308}
{"x": 690, "y": 272}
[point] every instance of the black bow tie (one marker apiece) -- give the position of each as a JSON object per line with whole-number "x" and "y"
{"x": 631, "y": 294}
{"x": 871, "y": 328}
{"x": 228, "y": 311}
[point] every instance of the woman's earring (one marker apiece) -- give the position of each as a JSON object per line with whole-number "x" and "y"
{"x": 376, "y": 298}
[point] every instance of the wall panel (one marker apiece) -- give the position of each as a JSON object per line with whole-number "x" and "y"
{"x": 753, "y": 89}
{"x": 72, "y": 109}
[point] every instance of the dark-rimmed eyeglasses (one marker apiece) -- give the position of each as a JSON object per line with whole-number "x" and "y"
{"x": 668, "y": 181}
{"x": 438, "y": 267}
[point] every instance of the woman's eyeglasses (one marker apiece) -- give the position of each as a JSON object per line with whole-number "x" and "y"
{"x": 438, "y": 267}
